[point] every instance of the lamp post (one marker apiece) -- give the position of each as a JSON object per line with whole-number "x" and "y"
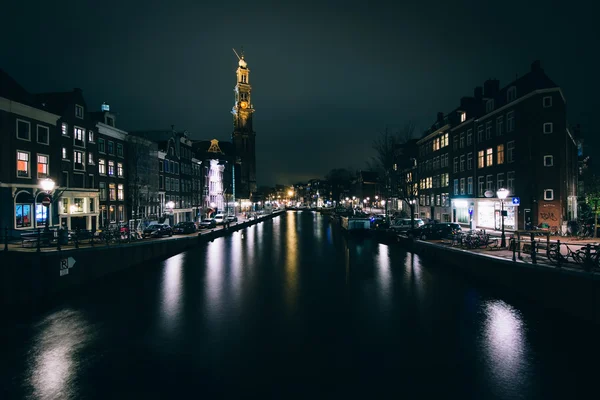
{"x": 47, "y": 186}
{"x": 170, "y": 205}
{"x": 502, "y": 195}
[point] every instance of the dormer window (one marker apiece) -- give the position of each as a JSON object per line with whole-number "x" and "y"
{"x": 78, "y": 111}
{"x": 489, "y": 106}
{"x": 511, "y": 95}
{"x": 463, "y": 116}
{"x": 110, "y": 121}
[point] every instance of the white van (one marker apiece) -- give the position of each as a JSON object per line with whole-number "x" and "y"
{"x": 220, "y": 219}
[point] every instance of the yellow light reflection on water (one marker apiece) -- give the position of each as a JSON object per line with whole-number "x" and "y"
{"x": 291, "y": 260}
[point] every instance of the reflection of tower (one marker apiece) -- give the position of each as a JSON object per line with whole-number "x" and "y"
{"x": 243, "y": 136}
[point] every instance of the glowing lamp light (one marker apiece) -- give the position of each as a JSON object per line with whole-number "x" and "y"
{"x": 502, "y": 193}
{"x": 170, "y": 205}
{"x": 47, "y": 185}
{"x": 212, "y": 205}
{"x": 383, "y": 202}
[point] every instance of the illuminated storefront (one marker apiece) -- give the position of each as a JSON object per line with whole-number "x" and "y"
{"x": 486, "y": 213}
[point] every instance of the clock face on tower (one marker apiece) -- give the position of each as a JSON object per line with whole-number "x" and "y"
{"x": 244, "y": 104}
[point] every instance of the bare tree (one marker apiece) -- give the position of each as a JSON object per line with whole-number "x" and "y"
{"x": 143, "y": 175}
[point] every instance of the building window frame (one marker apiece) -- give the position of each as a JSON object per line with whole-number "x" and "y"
{"x": 24, "y": 123}
{"x": 548, "y": 194}
{"x": 510, "y": 121}
{"x": 500, "y": 154}
{"x": 547, "y": 101}
{"x": 79, "y": 111}
{"x": 469, "y": 161}
{"x": 480, "y": 159}
{"x": 79, "y": 160}
{"x": 510, "y": 151}
{"x": 46, "y": 174}
{"x": 470, "y": 185}
{"x": 488, "y": 130}
{"x": 511, "y": 94}
{"x": 548, "y": 160}
{"x": 489, "y": 157}
{"x": 43, "y": 128}
{"x": 64, "y": 129}
{"x": 500, "y": 180}
{"x": 101, "y": 146}
{"x": 480, "y": 186}
{"x": 111, "y": 168}
{"x": 456, "y": 187}
{"x": 120, "y": 150}
{"x": 548, "y": 128}
{"x": 78, "y": 137}
{"x": 102, "y": 166}
{"x": 469, "y": 137}
{"x": 24, "y": 157}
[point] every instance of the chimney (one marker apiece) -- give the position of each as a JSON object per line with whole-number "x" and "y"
{"x": 478, "y": 93}
{"x": 440, "y": 116}
{"x": 105, "y": 107}
{"x": 491, "y": 87}
{"x": 536, "y": 66}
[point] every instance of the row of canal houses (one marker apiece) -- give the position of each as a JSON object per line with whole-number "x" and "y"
{"x": 515, "y": 137}
{"x": 103, "y": 175}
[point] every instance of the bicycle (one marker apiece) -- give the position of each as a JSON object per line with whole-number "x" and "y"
{"x": 554, "y": 254}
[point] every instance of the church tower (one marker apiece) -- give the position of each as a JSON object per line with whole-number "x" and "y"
{"x": 243, "y": 136}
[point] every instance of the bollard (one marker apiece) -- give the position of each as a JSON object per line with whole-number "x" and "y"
{"x": 558, "y": 255}
{"x": 514, "y": 248}
{"x": 588, "y": 257}
{"x": 39, "y": 239}
{"x": 6, "y": 238}
{"x": 533, "y": 253}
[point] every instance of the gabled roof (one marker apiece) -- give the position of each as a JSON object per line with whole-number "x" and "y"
{"x": 202, "y": 147}
{"x": 57, "y": 102}
{"x": 10, "y": 89}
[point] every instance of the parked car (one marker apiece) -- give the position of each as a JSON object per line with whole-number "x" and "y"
{"x": 208, "y": 223}
{"x": 157, "y": 230}
{"x": 220, "y": 219}
{"x": 403, "y": 224}
{"x": 184, "y": 227}
{"x": 437, "y": 231}
{"x": 231, "y": 218}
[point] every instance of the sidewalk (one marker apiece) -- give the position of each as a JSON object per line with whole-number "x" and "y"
{"x": 17, "y": 245}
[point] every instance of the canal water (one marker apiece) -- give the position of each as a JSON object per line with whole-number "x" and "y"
{"x": 292, "y": 308}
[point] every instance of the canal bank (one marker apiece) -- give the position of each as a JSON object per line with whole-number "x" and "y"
{"x": 573, "y": 291}
{"x": 30, "y": 278}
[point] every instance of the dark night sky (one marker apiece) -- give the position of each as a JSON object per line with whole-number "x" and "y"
{"x": 326, "y": 77}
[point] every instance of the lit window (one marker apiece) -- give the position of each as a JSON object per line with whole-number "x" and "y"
{"x": 42, "y": 170}
{"x": 78, "y": 159}
{"x": 22, "y": 164}
{"x": 65, "y": 129}
{"x": 548, "y": 161}
{"x": 78, "y": 111}
{"x": 120, "y": 170}
{"x": 111, "y": 168}
{"x": 548, "y": 194}
{"x": 90, "y": 158}
{"x": 489, "y": 161}
{"x": 64, "y": 153}
{"x": 548, "y": 127}
{"x": 23, "y": 130}
{"x": 79, "y": 137}
{"x": 101, "y": 166}
{"x": 480, "y": 159}
{"x": 120, "y": 192}
{"x": 112, "y": 192}
{"x": 43, "y": 135}
{"x": 500, "y": 154}
{"x": 91, "y": 136}
{"x": 463, "y": 116}
{"x": 547, "y": 101}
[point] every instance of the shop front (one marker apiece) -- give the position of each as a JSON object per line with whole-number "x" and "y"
{"x": 484, "y": 213}
{"x": 79, "y": 210}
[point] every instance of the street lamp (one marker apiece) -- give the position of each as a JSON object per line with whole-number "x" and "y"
{"x": 47, "y": 186}
{"x": 502, "y": 195}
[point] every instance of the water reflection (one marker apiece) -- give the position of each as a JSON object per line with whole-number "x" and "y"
{"x": 291, "y": 260}
{"x": 384, "y": 276}
{"x": 54, "y": 354}
{"x": 215, "y": 276}
{"x": 504, "y": 345}
{"x": 171, "y": 291}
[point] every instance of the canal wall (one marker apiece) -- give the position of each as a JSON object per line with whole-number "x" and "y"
{"x": 574, "y": 292}
{"x": 30, "y": 278}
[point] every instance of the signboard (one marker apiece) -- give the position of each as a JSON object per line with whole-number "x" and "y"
{"x": 66, "y": 264}
{"x": 516, "y": 201}
{"x": 46, "y": 202}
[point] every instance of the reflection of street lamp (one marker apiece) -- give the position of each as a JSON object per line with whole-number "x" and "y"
{"x": 502, "y": 195}
{"x": 48, "y": 186}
